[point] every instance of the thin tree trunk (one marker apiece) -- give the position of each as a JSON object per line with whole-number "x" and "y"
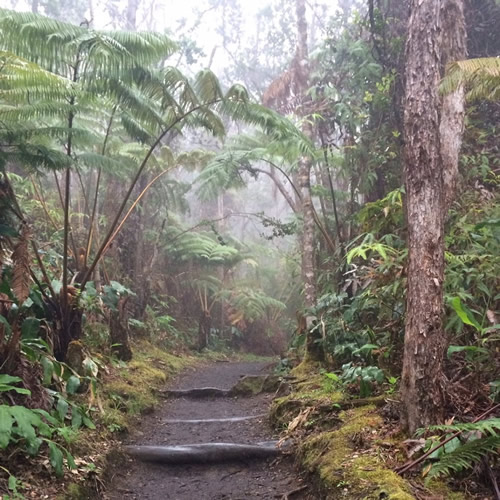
{"x": 314, "y": 348}
{"x": 453, "y": 107}
{"x": 421, "y": 389}
{"x": 131, "y": 21}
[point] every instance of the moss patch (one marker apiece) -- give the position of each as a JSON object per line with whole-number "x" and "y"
{"x": 126, "y": 390}
{"x": 345, "y": 471}
{"x": 343, "y": 442}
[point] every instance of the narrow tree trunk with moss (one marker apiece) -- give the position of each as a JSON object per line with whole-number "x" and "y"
{"x": 314, "y": 348}
{"x": 453, "y": 107}
{"x": 421, "y": 389}
{"x": 119, "y": 331}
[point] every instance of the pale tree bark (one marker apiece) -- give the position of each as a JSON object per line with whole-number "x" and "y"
{"x": 453, "y": 107}
{"x": 421, "y": 383}
{"x": 314, "y": 349}
{"x": 131, "y": 20}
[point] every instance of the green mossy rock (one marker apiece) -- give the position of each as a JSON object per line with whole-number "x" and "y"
{"x": 251, "y": 385}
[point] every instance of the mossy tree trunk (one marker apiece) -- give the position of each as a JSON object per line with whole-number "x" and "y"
{"x": 119, "y": 331}
{"x": 314, "y": 347}
{"x": 421, "y": 390}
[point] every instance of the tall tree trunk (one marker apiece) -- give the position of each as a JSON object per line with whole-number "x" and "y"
{"x": 453, "y": 108}
{"x": 314, "y": 348}
{"x": 131, "y": 20}
{"x": 421, "y": 389}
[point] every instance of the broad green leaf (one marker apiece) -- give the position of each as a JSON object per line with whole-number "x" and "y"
{"x": 12, "y": 484}
{"x": 9, "y": 379}
{"x": 26, "y": 421}
{"x": 90, "y": 367}
{"x": 62, "y": 408}
{"x": 48, "y": 370}
{"x": 76, "y": 418}
{"x": 70, "y": 460}
{"x": 72, "y": 384}
{"x": 466, "y": 317}
{"x": 6, "y": 422}
{"x": 30, "y": 328}
{"x": 19, "y": 390}
{"x": 56, "y": 458}
{"x": 452, "y": 349}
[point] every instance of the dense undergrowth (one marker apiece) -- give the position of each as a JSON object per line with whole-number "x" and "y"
{"x": 110, "y": 401}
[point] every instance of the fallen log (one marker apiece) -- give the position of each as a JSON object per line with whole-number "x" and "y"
{"x": 204, "y": 453}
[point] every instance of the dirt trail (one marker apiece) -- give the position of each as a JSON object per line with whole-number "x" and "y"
{"x": 242, "y": 480}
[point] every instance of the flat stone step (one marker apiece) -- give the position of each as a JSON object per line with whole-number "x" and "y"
{"x": 204, "y": 453}
{"x": 213, "y": 420}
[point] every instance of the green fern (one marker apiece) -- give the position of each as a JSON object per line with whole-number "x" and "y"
{"x": 465, "y": 456}
{"x": 489, "y": 426}
{"x": 481, "y": 76}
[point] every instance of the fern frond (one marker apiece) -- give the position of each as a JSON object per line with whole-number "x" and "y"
{"x": 489, "y": 426}
{"x": 465, "y": 456}
{"x": 481, "y": 76}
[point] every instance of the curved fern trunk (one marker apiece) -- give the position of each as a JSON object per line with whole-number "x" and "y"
{"x": 204, "y": 326}
{"x": 453, "y": 107}
{"x": 421, "y": 388}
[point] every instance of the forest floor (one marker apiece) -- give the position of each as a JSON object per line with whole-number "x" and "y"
{"x": 259, "y": 478}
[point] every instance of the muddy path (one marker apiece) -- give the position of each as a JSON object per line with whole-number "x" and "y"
{"x": 267, "y": 478}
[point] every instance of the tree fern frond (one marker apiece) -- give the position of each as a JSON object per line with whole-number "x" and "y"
{"x": 136, "y": 130}
{"x": 57, "y": 45}
{"x": 481, "y": 76}
{"x": 207, "y": 87}
{"x": 38, "y": 156}
{"x": 222, "y": 173}
{"x": 96, "y": 160}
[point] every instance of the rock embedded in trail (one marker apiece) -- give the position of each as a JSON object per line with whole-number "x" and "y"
{"x": 248, "y": 385}
{"x": 204, "y": 453}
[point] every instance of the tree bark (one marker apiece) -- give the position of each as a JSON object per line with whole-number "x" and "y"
{"x": 422, "y": 395}
{"x": 131, "y": 21}
{"x": 453, "y": 107}
{"x": 119, "y": 331}
{"x": 314, "y": 348}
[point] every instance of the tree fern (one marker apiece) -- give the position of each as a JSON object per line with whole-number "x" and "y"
{"x": 250, "y": 304}
{"x": 481, "y": 76}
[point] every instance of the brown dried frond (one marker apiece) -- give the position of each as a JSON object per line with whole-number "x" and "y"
{"x": 21, "y": 266}
{"x": 285, "y": 93}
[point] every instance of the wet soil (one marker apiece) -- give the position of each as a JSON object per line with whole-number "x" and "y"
{"x": 238, "y": 480}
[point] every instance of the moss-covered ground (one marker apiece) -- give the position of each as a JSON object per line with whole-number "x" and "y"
{"x": 344, "y": 443}
{"x": 125, "y": 392}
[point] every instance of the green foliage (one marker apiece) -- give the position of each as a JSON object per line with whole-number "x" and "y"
{"x": 21, "y": 426}
{"x": 249, "y": 304}
{"x": 464, "y": 456}
{"x": 481, "y": 76}
{"x": 365, "y": 376}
